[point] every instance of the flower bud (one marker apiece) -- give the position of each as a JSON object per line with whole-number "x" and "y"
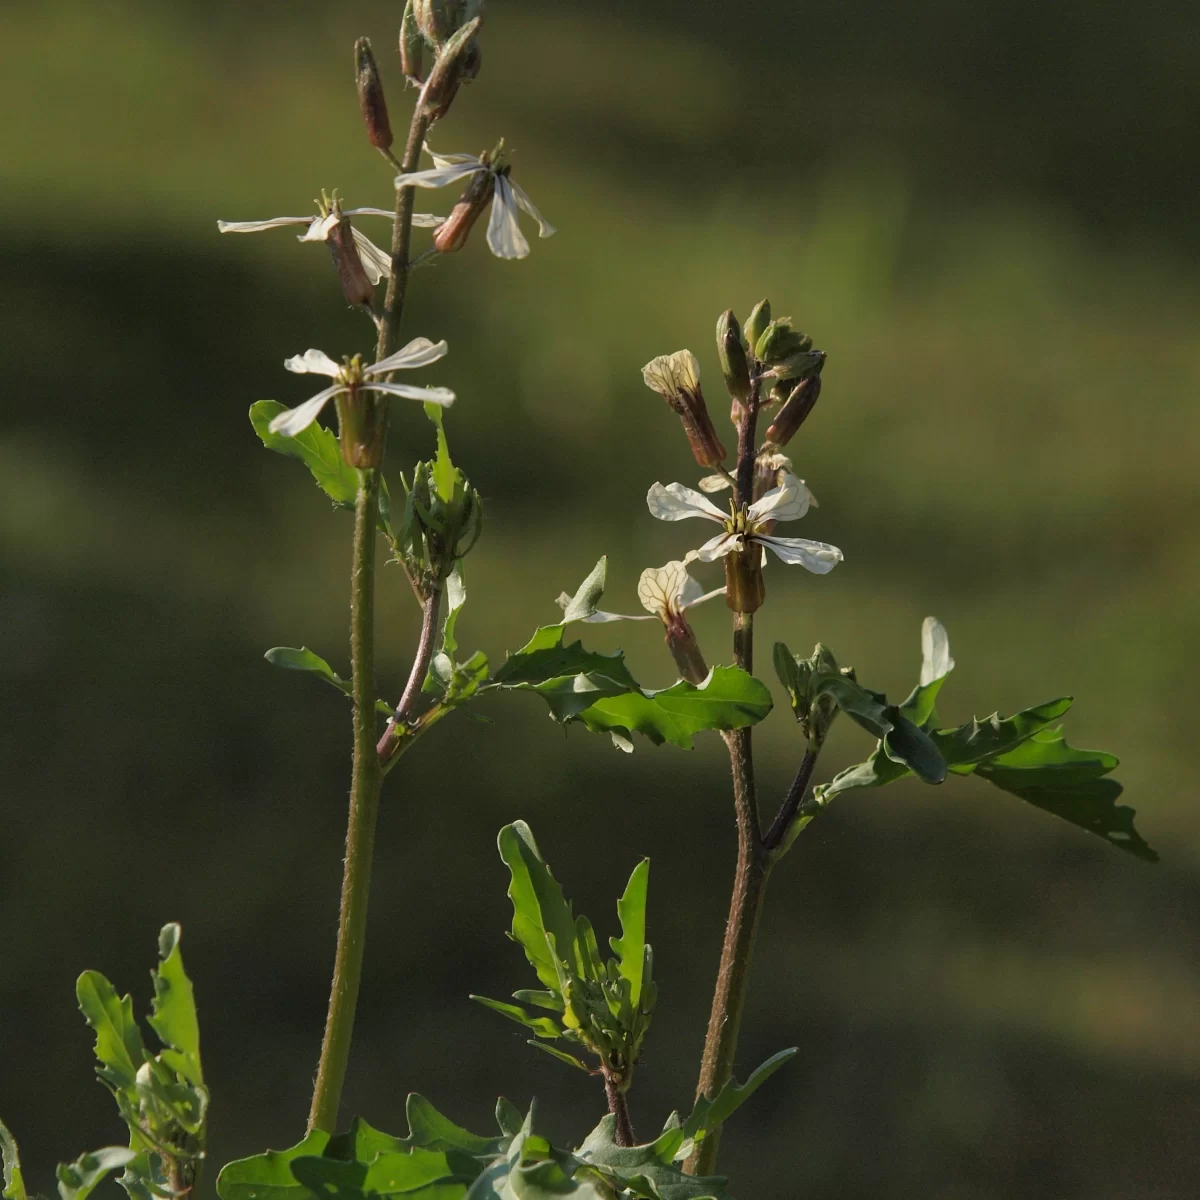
{"x": 685, "y": 650}
{"x": 732, "y": 354}
{"x": 744, "y": 587}
{"x": 412, "y": 45}
{"x": 448, "y": 71}
{"x": 795, "y": 410}
{"x": 437, "y": 19}
{"x": 800, "y": 365}
{"x": 452, "y": 233}
{"x": 356, "y": 287}
{"x": 370, "y": 96}
{"x": 757, "y": 322}
{"x": 361, "y": 429}
{"x": 676, "y": 377}
{"x": 779, "y": 340}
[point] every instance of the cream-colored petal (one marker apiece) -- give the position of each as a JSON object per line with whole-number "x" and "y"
{"x": 258, "y": 226}
{"x": 437, "y": 177}
{"x": 676, "y": 502}
{"x": 818, "y": 557}
{"x": 504, "y": 235}
{"x": 788, "y": 502}
{"x": 669, "y": 374}
{"x": 719, "y": 546}
{"x": 420, "y": 352}
{"x": 297, "y": 420}
{"x": 320, "y": 229}
{"x": 658, "y": 588}
{"x": 935, "y": 651}
{"x": 376, "y": 262}
{"x": 714, "y": 483}
{"x": 545, "y": 229}
{"x": 430, "y": 395}
{"x": 313, "y": 362}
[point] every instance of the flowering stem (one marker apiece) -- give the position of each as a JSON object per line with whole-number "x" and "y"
{"x": 753, "y": 861}
{"x": 366, "y": 773}
{"x": 365, "y": 781}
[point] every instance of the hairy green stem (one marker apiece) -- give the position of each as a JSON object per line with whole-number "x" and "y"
{"x": 366, "y": 774}
{"x": 364, "y": 812}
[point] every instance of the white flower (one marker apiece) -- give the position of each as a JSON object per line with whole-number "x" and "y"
{"x": 352, "y": 376}
{"x": 787, "y": 502}
{"x": 666, "y": 592}
{"x": 767, "y": 466}
{"x": 504, "y": 236}
{"x": 376, "y": 261}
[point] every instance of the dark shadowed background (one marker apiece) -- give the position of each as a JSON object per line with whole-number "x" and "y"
{"x": 984, "y": 213}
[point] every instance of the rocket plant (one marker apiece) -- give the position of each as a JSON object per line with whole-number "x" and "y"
{"x": 591, "y": 1012}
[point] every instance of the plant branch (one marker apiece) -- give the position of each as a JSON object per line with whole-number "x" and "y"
{"x": 393, "y": 735}
{"x": 791, "y": 802}
{"x": 366, "y": 775}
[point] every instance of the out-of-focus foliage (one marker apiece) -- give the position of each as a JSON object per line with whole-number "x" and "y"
{"x": 983, "y": 214}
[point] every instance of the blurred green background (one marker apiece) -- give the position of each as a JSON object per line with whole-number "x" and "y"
{"x": 984, "y": 213}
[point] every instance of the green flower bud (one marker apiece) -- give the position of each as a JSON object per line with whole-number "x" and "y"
{"x": 412, "y": 45}
{"x": 779, "y": 340}
{"x": 370, "y": 96}
{"x": 795, "y": 410}
{"x": 757, "y": 322}
{"x": 732, "y": 353}
{"x": 799, "y": 366}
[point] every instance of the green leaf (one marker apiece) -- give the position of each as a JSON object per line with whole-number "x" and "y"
{"x": 330, "y": 1178}
{"x": 303, "y": 659}
{"x": 561, "y": 1055}
{"x": 542, "y": 1026}
{"x": 269, "y": 1176}
{"x": 552, "y": 1001}
{"x": 630, "y": 947}
{"x": 711, "y": 1114}
{"x": 508, "y": 1117}
{"x": 430, "y": 1130}
{"x": 588, "y": 595}
{"x": 14, "y": 1181}
{"x": 1055, "y": 777}
{"x": 118, "y": 1039}
{"x": 728, "y": 699}
{"x": 544, "y": 659}
{"x": 902, "y": 740}
{"x": 647, "y": 1170}
{"x": 173, "y": 1016}
{"x": 77, "y": 1180}
{"x": 318, "y": 449}
{"x": 540, "y": 913}
{"x": 978, "y": 741}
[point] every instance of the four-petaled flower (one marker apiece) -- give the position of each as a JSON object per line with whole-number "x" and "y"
{"x": 377, "y": 262}
{"x": 787, "y": 502}
{"x": 504, "y": 235}
{"x": 352, "y": 376}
